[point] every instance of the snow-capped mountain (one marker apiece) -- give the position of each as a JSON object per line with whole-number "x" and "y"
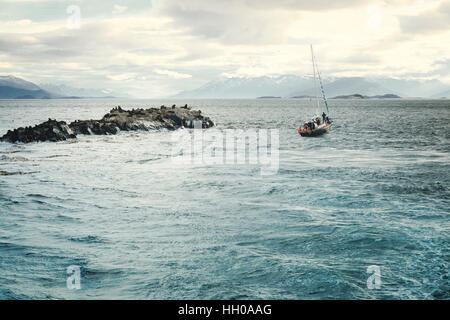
{"x": 413, "y": 88}
{"x": 246, "y": 87}
{"x": 292, "y": 85}
{"x": 16, "y": 88}
{"x": 69, "y": 91}
{"x": 342, "y": 86}
{"x": 443, "y": 94}
{"x": 17, "y": 83}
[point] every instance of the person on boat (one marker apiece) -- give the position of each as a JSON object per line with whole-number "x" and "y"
{"x": 327, "y": 119}
{"x": 305, "y": 127}
{"x": 324, "y": 115}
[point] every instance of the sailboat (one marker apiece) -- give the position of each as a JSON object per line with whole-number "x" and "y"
{"x": 319, "y": 124}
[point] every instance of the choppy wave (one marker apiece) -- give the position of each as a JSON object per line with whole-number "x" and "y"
{"x": 373, "y": 192}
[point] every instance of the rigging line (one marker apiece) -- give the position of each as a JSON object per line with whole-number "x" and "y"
{"x": 321, "y": 85}
{"x": 315, "y": 81}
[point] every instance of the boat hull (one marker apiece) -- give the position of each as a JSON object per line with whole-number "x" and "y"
{"x": 316, "y": 132}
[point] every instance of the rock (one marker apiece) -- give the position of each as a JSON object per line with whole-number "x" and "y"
{"x": 50, "y": 130}
{"x": 114, "y": 121}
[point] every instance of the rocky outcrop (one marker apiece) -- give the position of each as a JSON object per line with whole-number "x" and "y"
{"x": 114, "y": 121}
{"x": 50, "y": 130}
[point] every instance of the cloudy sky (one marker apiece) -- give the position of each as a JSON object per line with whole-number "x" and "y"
{"x": 157, "y": 48}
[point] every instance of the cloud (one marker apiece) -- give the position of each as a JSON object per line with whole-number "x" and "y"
{"x": 122, "y": 77}
{"x": 173, "y": 74}
{"x": 306, "y": 5}
{"x": 227, "y": 22}
{"x": 432, "y": 20}
{"x": 442, "y": 68}
{"x": 156, "y": 50}
{"x": 21, "y": 23}
{"x": 4, "y": 65}
{"x": 250, "y": 21}
{"x": 119, "y": 9}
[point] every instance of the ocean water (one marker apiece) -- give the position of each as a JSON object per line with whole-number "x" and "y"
{"x": 373, "y": 192}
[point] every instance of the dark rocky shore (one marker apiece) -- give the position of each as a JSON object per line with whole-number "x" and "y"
{"x": 114, "y": 121}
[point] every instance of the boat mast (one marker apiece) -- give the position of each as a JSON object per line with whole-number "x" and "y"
{"x": 320, "y": 81}
{"x": 315, "y": 82}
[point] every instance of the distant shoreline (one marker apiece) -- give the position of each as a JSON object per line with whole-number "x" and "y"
{"x": 360, "y": 96}
{"x": 67, "y": 98}
{"x": 259, "y": 98}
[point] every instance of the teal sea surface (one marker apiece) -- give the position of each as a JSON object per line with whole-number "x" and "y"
{"x": 373, "y": 192}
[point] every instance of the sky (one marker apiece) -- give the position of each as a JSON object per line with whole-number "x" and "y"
{"x": 151, "y": 49}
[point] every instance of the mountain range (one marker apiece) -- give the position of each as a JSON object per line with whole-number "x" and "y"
{"x": 285, "y": 86}
{"x": 288, "y": 86}
{"x": 69, "y": 91}
{"x": 16, "y": 88}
